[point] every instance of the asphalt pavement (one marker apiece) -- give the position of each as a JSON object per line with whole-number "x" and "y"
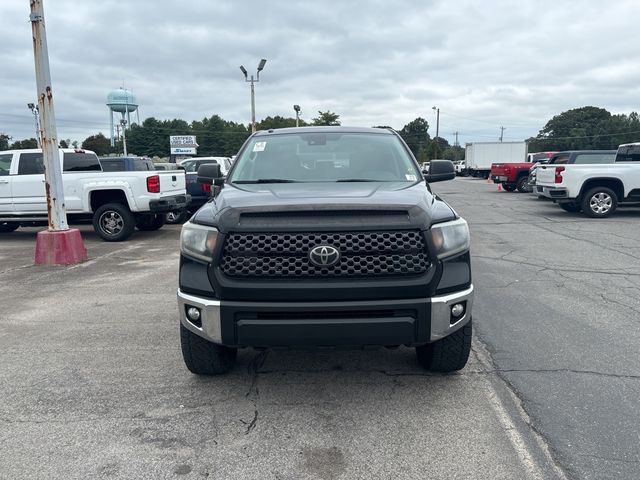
{"x": 557, "y": 306}
{"x": 93, "y": 383}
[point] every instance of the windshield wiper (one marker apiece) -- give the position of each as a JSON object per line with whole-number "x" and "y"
{"x": 266, "y": 180}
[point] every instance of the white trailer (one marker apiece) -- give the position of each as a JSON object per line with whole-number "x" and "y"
{"x": 480, "y": 155}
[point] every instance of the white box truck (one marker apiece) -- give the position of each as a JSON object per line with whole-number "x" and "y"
{"x": 480, "y": 155}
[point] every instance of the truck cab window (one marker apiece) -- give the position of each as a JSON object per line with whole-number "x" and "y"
{"x": 5, "y": 164}
{"x": 31, "y": 164}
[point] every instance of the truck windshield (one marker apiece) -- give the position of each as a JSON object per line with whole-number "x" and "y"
{"x": 325, "y": 157}
{"x": 628, "y": 153}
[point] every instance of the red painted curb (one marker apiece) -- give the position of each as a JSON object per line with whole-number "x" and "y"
{"x": 60, "y": 247}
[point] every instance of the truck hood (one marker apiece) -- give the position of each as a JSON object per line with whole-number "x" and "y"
{"x": 324, "y": 206}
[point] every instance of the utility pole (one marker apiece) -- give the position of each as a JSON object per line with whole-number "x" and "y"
{"x": 456, "y": 144}
{"x": 502, "y": 129}
{"x": 58, "y": 244}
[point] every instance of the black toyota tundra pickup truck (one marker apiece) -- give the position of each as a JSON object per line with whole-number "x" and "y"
{"x": 325, "y": 237}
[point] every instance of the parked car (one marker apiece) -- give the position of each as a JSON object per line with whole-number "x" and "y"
{"x": 325, "y": 237}
{"x": 460, "y": 167}
{"x": 424, "y": 167}
{"x": 126, "y": 164}
{"x": 200, "y": 193}
{"x": 593, "y": 182}
{"x": 192, "y": 164}
{"x": 515, "y": 175}
{"x": 167, "y": 166}
{"x": 115, "y": 202}
{"x": 570, "y": 157}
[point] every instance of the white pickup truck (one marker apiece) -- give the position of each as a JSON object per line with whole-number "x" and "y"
{"x": 116, "y": 202}
{"x": 594, "y": 189}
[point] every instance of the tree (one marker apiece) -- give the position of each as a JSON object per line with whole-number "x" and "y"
{"x": 98, "y": 143}
{"x": 437, "y": 147}
{"x": 576, "y": 129}
{"x": 326, "y": 118}
{"x": 4, "y": 141}
{"x": 64, "y": 144}
{"x": 416, "y": 136}
{"x": 28, "y": 143}
{"x": 278, "y": 122}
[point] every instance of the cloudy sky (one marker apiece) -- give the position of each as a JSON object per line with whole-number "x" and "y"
{"x": 485, "y": 64}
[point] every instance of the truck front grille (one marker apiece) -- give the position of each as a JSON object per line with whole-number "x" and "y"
{"x": 362, "y": 254}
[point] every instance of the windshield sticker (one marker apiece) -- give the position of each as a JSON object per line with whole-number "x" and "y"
{"x": 259, "y": 146}
{"x": 411, "y": 178}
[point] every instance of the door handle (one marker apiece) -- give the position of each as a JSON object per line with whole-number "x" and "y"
{"x": 4, "y": 181}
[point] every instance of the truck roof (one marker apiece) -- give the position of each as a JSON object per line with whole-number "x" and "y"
{"x": 325, "y": 129}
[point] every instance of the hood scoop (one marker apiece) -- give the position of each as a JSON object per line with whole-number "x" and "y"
{"x": 273, "y": 220}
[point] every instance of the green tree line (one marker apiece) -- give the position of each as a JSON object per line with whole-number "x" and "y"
{"x": 583, "y": 128}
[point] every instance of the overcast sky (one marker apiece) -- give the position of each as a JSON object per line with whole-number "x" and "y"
{"x": 485, "y": 64}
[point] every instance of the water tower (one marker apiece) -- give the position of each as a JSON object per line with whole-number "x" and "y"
{"x": 124, "y": 102}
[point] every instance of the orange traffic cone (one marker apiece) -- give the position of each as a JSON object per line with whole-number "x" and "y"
{"x": 499, "y": 189}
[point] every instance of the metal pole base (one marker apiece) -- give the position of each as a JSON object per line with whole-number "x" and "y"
{"x": 63, "y": 247}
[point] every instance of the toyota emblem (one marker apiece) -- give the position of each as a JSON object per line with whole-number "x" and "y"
{"x": 324, "y": 256}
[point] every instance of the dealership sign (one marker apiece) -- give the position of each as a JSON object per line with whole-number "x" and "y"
{"x": 183, "y": 144}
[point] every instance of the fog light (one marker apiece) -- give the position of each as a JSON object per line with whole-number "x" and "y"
{"x": 457, "y": 310}
{"x": 193, "y": 313}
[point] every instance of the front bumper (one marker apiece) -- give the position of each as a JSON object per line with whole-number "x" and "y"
{"x": 170, "y": 204}
{"x": 341, "y": 323}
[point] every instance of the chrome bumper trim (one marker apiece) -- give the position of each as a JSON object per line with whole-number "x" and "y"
{"x": 441, "y": 325}
{"x": 209, "y": 316}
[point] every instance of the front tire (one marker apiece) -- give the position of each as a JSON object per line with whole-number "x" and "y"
{"x": 523, "y": 185}
{"x": 599, "y": 202}
{"x": 113, "y": 222}
{"x": 448, "y": 354}
{"x": 203, "y": 357}
{"x": 173, "y": 218}
{"x": 150, "y": 222}
{"x": 6, "y": 227}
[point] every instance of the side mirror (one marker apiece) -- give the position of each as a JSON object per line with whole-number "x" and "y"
{"x": 208, "y": 173}
{"x": 440, "y": 170}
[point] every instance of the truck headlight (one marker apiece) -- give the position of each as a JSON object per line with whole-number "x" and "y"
{"x": 450, "y": 238}
{"x": 198, "y": 241}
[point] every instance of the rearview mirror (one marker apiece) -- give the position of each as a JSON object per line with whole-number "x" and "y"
{"x": 440, "y": 170}
{"x": 208, "y": 173}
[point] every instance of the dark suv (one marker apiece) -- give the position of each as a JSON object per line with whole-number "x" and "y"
{"x": 325, "y": 237}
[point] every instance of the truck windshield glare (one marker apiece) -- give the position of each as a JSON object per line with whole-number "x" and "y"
{"x": 325, "y": 157}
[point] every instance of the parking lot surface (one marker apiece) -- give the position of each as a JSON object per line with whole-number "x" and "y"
{"x": 94, "y": 385}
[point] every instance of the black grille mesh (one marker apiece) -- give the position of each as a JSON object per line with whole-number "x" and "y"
{"x": 362, "y": 254}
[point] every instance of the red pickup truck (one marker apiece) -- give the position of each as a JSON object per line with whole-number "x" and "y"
{"x": 514, "y": 176}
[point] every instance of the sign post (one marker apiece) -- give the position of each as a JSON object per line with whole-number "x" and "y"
{"x": 58, "y": 245}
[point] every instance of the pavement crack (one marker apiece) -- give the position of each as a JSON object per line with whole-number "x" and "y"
{"x": 562, "y": 370}
{"x": 252, "y": 424}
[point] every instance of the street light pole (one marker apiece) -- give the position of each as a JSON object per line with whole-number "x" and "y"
{"x": 297, "y": 109}
{"x": 253, "y": 93}
{"x": 123, "y": 122}
{"x": 36, "y": 115}
{"x": 437, "y": 109}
